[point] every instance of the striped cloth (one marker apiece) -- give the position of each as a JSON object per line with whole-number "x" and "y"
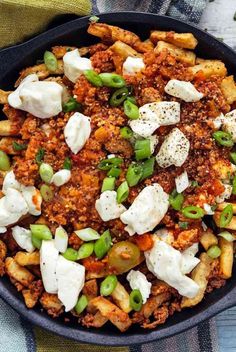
{"x": 17, "y": 335}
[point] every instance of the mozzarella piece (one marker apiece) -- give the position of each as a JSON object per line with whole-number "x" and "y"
{"x": 182, "y": 182}
{"x": 15, "y": 203}
{"x": 165, "y": 235}
{"x": 70, "y": 277}
{"x": 174, "y": 150}
{"x": 138, "y": 280}
{"x": 6, "y": 217}
{"x": 167, "y": 264}
{"x": 189, "y": 261}
{"x": 22, "y": 237}
{"x": 61, "y": 177}
{"x": 153, "y": 142}
{"x": 10, "y": 182}
{"x": 217, "y": 122}
{"x": 133, "y": 65}
{"x": 61, "y": 239}
{"x": 154, "y": 115}
{"x": 75, "y": 65}
{"x": 77, "y": 131}
{"x": 40, "y": 98}
{"x": 33, "y": 199}
{"x": 146, "y": 211}
{"x": 208, "y": 209}
{"x": 183, "y": 90}
{"x": 3, "y": 229}
{"x": 224, "y": 195}
{"x": 229, "y": 124}
{"x": 48, "y": 264}
{"x": 107, "y": 206}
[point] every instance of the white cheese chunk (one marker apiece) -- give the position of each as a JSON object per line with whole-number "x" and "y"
{"x": 107, "y": 206}
{"x": 70, "y": 278}
{"x": 224, "y": 195}
{"x": 229, "y": 124}
{"x": 10, "y": 182}
{"x": 174, "y": 150}
{"x": 61, "y": 239}
{"x": 133, "y": 65}
{"x": 183, "y": 90}
{"x": 48, "y": 264}
{"x": 33, "y": 199}
{"x": 208, "y": 209}
{"x": 15, "y": 203}
{"x": 22, "y": 237}
{"x": 75, "y": 65}
{"x": 61, "y": 177}
{"x": 40, "y": 98}
{"x": 189, "y": 261}
{"x": 146, "y": 211}
{"x": 217, "y": 122}
{"x": 182, "y": 182}
{"x": 77, "y": 131}
{"x": 154, "y": 115}
{"x": 138, "y": 280}
{"x": 165, "y": 235}
{"x": 3, "y": 229}
{"x": 167, "y": 264}
{"x": 153, "y": 142}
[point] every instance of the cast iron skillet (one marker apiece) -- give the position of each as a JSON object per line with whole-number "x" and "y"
{"x": 74, "y": 33}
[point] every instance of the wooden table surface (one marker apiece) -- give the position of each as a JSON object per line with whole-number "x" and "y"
{"x": 218, "y": 20}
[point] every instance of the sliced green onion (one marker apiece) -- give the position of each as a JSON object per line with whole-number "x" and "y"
{"x": 226, "y": 215}
{"x": 46, "y": 172}
{"x": 194, "y": 184}
{"x": 108, "y": 184}
{"x": 227, "y": 236}
{"x": 134, "y": 174}
{"x": 114, "y": 172}
{"x": 70, "y": 254}
{"x": 17, "y": 146}
{"x": 142, "y": 149}
{"x": 135, "y": 300}
{"x": 122, "y": 192}
{"x": 131, "y": 110}
{"x": 71, "y": 105}
{"x": 67, "y": 163}
{"x": 183, "y": 225}
{"x": 234, "y": 185}
{"x": 39, "y": 156}
{"x": 223, "y": 138}
{"x": 81, "y": 304}
{"x": 50, "y": 61}
{"x": 42, "y": 232}
{"x": 176, "y": 200}
{"x": 36, "y": 242}
{"x": 193, "y": 212}
{"x": 85, "y": 250}
{"x": 214, "y": 252}
{"x": 5, "y": 164}
{"x": 93, "y": 77}
{"x": 107, "y": 164}
{"x": 118, "y": 96}
{"x": 46, "y": 193}
{"x": 87, "y": 234}
{"x": 148, "y": 168}
{"x": 102, "y": 245}
{"x": 108, "y": 285}
{"x": 126, "y": 132}
{"x": 112, "y": 80}
{"x": 93, "y": 19}
{"x": 132, "y": 99}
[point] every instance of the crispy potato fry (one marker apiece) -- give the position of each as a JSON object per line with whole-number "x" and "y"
{"x": 182, "y": 40}
{"x": 124, "y": 50}
{"x": 24, "y": 258}
{"x": 221, "y": 206}
{"x": 208, "y": 239}
{"x": 228, "y": 87}
{"x": 59, "y": 50}
{"x": 90, "y": 289}
{"x": 18, "y": 273}
{"x": 32, "y": 294}
{"x": 121, "y": 298}
{"x": 4, "y": 96}
{"x": 8, "y": 128}
{"x": 186, "y": 56}
{"x": 149, "y": 307}
{"x": 110, "y": 311}
{"x": 226, "y": 258}
{"x": 112, "y": 33}
{"x": 199, "y": 275}
{"x": 51, "y": 304}
{"x": 223, "y": 169}
{"x": 210, "y": 68}
{"x": 99, "y": 320}
{"x": 3, "y": 253}
{"x": 230, "y": 226}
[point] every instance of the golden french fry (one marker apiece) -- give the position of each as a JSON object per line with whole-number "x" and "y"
{"x": 8, "y": 128}
{"x": 124, "y": 50}
{"x": 18, "y": 273}
{"x": 51, "y": 304}
{"x": 208, "y": 239}
{"x": 99, "y": 320}
{"x": 221, "y": 206}
{"x": 182, "y": 40}
{"x": 59, "y": 50}
{"x": 226, "y": 258}
{"x": 210, "y": 68}
{"x": 200, "y": 276}
{"x": 90, "y": 289}
{"x": 121, "y": 298}
{"x": 186, "y": 56}
{"x": 228, "y": 87}
{"x": 223, "y": 169}
{"x": 4, "y": 96}
{"x": 230, "y": 226}
{"x": 24, "y": 258}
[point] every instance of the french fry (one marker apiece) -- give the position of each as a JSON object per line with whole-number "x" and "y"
{"x": 18, "y": 273}
{"x": 8, "y": 128}
{"x": 199, "y": 275}
{"x": 208, "y": 239}
{"x": 124, "y": 50}
{"x": 182, "y": 40}
{"x": 110, "y": 311}
{"x": 3, "y": 253}
{"x": 230, "y": 226}
{"x": 228, "y": 87}
{"x": 210, "y": 68}
{"x": 186, "y": 56}
{"x": 32, "y": 294}
{"x": 121, "y": 297}
{"x": 4, "y": 96}
{"x": 24, "y": 258}
{"x": 221, "y": 206}
{"x": 51, "y": 304}
{"x": 226, "y": 258}
{"x": 59, "y": 50}
{"x": 99, "y": 320}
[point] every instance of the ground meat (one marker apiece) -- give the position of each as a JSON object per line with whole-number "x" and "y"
{"x": 51, "y": 304}
{"x": 102, "y": 61}
{"x": 186, "y": 239}
{"x": 160, "y": 315}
